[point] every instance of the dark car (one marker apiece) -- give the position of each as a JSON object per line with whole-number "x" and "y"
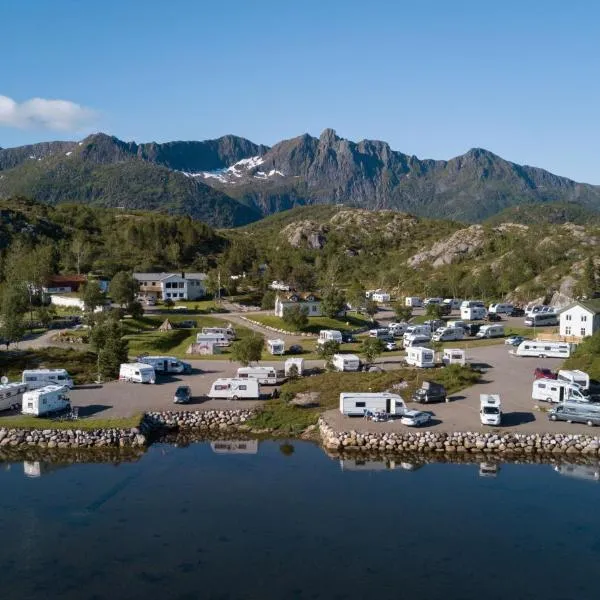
{"x": 517, "y": 312}
{"x": 347, "y": 338}
{"x": 295, "y": 349}
{"x": 541, "y": 373}
{"x": 430, "y": 391}
{"x": 493, "y": 317}
{"x": 183, "y": 395}
{"x": 472, "y": 329}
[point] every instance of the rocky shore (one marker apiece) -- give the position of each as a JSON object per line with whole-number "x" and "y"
{"x": 219, "y": 420}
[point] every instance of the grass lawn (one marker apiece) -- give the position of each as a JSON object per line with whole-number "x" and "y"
{"x": 201, "y": 306}
{"x": 289, "y": 419}
{"x": 315, "y": 324}
{"x": 29, "y": 422}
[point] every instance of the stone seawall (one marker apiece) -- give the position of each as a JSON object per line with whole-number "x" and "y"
{"x": 505, "y": 444}
{"x": 73, "y": 438}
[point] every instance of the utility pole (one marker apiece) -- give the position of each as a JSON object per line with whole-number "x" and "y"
{"x": 219, "y": 287}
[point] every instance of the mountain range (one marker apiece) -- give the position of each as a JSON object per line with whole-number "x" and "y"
{"x": 232, "y": 181}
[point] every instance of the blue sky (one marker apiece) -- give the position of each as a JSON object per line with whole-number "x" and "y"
{"x": 433, "y": 79}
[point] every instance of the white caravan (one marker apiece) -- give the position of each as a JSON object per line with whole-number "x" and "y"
{"x": 472, "y": 313}
{"x": 413, "y": 301}
{"x": 543, "y": 349}
{"x": 454, "y": 356}
{"x": 398, "y": 329}
{"x": 164, "y": 364}
{"x": 416, "y": 341}
{"x": 329, "y": 335}
{"x": 264, "y": 375}
{"x": 228, "y": 332}
{"x": 298, "y": 362}
{"x": 358, "y": 404}
{"x": 420, "y": 357}
{"x": 448, "y": 334}
{"x": 346, "y": 362}
{"x": 472, "y": 304}
{"x": 490, "y": 331}
{"x": 575, "y": 377}
{"x": 490, "y": 409}
{"x": 553, "y": 390}
{"x": 11, "y": 395}
{"x": 137, "y": 373}
{"x": 500, "y": 309}
{"x": 417, "y": 330}
{"x": 232, "y": 388}
{"x": 534, "y": 309}
{"x": 216, "y": 339}
{"x": 37, "y": 378}
{"x": 541, "y": 319}
{"x": 276, "y": 347}
{"x": 46, "y": 400}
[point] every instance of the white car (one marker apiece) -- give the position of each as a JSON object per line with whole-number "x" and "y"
{"x": 414, "y": 418}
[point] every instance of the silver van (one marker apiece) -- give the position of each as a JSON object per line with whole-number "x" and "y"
{"x": 576, "y": 412}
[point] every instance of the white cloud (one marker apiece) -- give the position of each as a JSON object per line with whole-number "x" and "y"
{"x": 44, "y": 114}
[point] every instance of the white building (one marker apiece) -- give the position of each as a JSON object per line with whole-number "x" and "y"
{"x": 308, "y": 301}
{"x": 172, "y": 286}
{"x": 580, "y": 319}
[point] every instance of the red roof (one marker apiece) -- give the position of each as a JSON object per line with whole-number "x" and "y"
{"x": 67, "y": 279}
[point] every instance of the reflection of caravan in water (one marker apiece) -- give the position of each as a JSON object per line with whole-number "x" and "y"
{"x": 488, "y": 469}
{"x": 35, "y": 468}
{"x": 357, "y": 464}
{"x": 589, "y": 472}
{"x": 235, "y": 447}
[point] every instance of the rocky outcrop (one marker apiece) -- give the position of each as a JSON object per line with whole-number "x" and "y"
{"x": 306, "y": 234}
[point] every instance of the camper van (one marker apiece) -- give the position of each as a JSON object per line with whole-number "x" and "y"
{"x": 420, "y": 357}
{"x": 346, "y": 362}
{"x": 490, "y": 331}
{"x": 500, "y": 309}
{"x": 576, "y": 412}
{"x": 413, "y": 301}
{"x": 45, "y": 400}
{"x": 553, "y": 390}
{"x": 357, "y": 404}
{"x": 448, "y": 334}
{"x": 228, "y": 332}
{"x": 37, "y": 378}
{"x": 397, "y": 329}
{"x": 232, "y": 388}
{"x": 329, "y": 335}
{"x": 534, "y": 309}
{"x": 416, "y": 341}
{"x": 454, "y": 356}
{"x": 417, "y": 330}
{"x": 298, "y": 362}
{"x": 216, "y": 339}
{"x": 276, "y": 347}
{"x": 543, "y": 349}
{"x": 541, "y": 319}
{"x": 11, "y": 395}
{"x": 137, "y": 373}
{"x": 264, "y": 375}
{"x": 575, "y": 377}
{"x": 490, "y": 409}
{"x": 472, "y": 313}
{"x": 166, "y": 364}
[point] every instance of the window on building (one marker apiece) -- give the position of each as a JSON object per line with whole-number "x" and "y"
{"x": 583, "y": 318}
{"x": 567, "y": 331}
{"x": 181, "y": 295}
{"x": 567, "y": 317}
{"x": 583, "y": 332}
{"x": 168, "y": 294}
{"x": 313, "y": 309}
{"x": 154, "y": 283}
{"x": 182, "y": 284}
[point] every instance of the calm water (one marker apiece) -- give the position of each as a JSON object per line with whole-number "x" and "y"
{"x": 189, "y": 523}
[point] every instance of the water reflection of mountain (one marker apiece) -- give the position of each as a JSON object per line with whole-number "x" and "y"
{"x": 587, "y": 472}
{"x": 235, "y": 447}
{"x": 357, "y": 464}
{"x": 36, "y": 468}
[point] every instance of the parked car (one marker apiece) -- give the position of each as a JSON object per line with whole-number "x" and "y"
{"x": 390, "y": 346}
{"x": 472, "y": 329}
{"x": 430, "y": 391}
{"x": 415, "y": 418}
{"x": 348, "y": 338}
{"x": 183, "y": 395}
{"x": 517, "y": 312}
{"x": 541, "y": 373}
{"x": 514, "y": 340}
{"x": 493, "y": 317}
{"x": 295, "y": 349}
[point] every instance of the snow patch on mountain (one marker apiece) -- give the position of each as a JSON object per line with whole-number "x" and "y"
{"x": 236, "y": 173}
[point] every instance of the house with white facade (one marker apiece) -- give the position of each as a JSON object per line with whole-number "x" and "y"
{"x": 580, "y": 319}
{"x": 309, "y": 302}
{"x": 172, "y": 286}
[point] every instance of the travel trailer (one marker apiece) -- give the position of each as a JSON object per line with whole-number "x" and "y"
{"x": 397, "y": 329}
{"x": 472, "y": 313}
{"x": 137, "y": 373}
{"x": 358, "y": 404}
{"x": 541, "y": 319}
{"x": 329, "y": 335}
{"x": 46, "y": 400}
{"x": 553, "y": 390}
{"x": 416, "y": 341}
{"x": 264, "y": 375}
{"x": 420, "y": 357}
{"x": 37, "y": 378}
{"x": 216, "y": 339}
{"x": 231, "y": 388}
{"x": 276, "y": 347}
{"x": 543, "y": 349}
{"x": 166, "y": 364}
{"x": 413, "y": 301}
{"x": 500, "y": 309}
{"x": 346, "y": 362}
{"x": 576, "y": 412}
{"x": 11, "y": 395}
{"x": 490, "y": 409}
{"x": 299, "y": 362}
{"x": 228, "y": 332}
{"x": 454, "y": 356}
{"x": 235, "y": 447}
{"x": 490, "y": 331}
{"x": 575, "y": 377}
{"x": 448, "y": 334}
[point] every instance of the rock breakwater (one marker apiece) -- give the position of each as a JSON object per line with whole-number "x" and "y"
{"x": 72, "y": 438}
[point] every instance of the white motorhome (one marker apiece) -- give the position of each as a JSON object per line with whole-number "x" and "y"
{"x": 456, "y": 323}
{"x": 232, "y": 388}
{"x": 500, "y": 309}
{"x": 37, "y": 378}
{"x": 382, "y": 332}
{"x": 228, "y": 332}
{"x": 553, "y": 390}
{"x": 416, "y": 341}
{"x": 490, "y": 409}
{"x": 490, "y": 331}
{"x": 541, "y": 319}
{"x": 357, "y": 404}
{"x": 137, "y": 373}
{"x": 216, "y": 339}
{"x": 45, "y": 400}
{"x": 534, "y": 309}
{"x": 472, "y": 304}
{"x": 413, "y": 301}
{"x": 448, "y": 334}
{"x": 420, "y": 357}
{"x": 472, "y": 313}
{"x": 264, "y": 375}
{"x": 397, "y": 329}
{"x": 11, "y": 395}
{"x": 454, "y": 356}
{"x": 435, "y": 301}
{"x": 575, "y": 377}
{"x": 543, "y": 349}
{"x": 417, "y": 330}
{"x": 276, "y": 347}
{"x": 298, "y": 362}
{"x": 346, "y": 362}
{"x": 165, "y": 364}
{"x": 329, "y": 335}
